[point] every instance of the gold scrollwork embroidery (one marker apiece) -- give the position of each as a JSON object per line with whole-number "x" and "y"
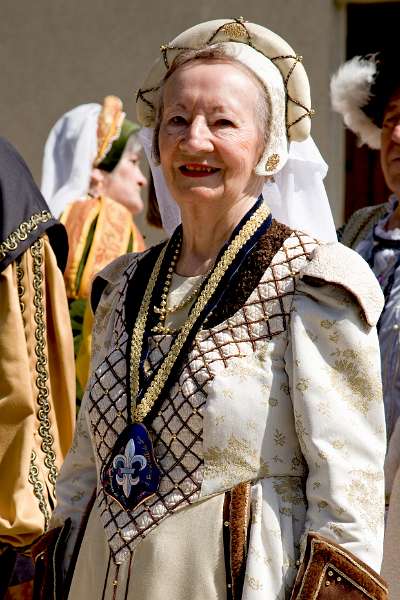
{"x": 41, "y": 365}
{"x": 21, "y": 233}
{"x": 272, "y": 162}
{"x": 33, "y": 479}
{"x": 33, "y": 476}
{"x": 235, "y": 462}
{"x": 20, "y": 287}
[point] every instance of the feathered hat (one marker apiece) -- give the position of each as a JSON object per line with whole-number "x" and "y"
{"x": 360, "y": 91}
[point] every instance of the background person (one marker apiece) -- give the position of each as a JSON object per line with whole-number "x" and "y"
{"x": 366, "y": 91}
{"x": 92, "y": 179}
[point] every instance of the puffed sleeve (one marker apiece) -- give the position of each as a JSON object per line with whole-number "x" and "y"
{"x": 333, "y": 364}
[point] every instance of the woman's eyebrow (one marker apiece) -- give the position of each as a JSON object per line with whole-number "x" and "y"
{"x": 392, "y": 114}
{"x": 176, "y": 105}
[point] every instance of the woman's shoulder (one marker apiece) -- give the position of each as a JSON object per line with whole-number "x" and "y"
{"x": 109, "y": 280}
{"x": 337, "y": 265}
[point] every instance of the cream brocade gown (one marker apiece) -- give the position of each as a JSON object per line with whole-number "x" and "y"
{"x": 285, "y": 393}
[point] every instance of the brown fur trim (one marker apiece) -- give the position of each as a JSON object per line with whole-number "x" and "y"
{"x": 329, "y": 572}
{"x": 250, "y": 273}
{"x": 239, "y": 523}
{"x": 236, "y": 525}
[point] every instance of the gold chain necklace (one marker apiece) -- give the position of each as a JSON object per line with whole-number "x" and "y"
{"x": 189, "y": 297}
{"x": 163, "y": 310}
{"x": 140, "y": 411}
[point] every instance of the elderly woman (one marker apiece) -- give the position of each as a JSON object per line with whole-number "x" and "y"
{"x": 233, "y": 427}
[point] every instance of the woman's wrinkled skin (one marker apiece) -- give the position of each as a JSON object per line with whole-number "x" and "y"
{"x": 210, "y": 141}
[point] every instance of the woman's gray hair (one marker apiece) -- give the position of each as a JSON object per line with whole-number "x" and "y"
{"x": 216, "y": 52}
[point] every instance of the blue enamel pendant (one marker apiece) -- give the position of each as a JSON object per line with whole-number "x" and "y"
{"x": 132, "y": 474}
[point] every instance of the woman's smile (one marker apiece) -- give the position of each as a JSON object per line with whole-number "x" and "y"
{"x": 197, "y": 170}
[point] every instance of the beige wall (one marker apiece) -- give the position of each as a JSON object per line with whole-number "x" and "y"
{"x": 55, "y": 54}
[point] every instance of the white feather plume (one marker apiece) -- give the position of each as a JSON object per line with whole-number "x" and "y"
{"x": 350, "y": 91}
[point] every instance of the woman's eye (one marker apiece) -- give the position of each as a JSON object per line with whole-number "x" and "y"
{"x": 178, "y": 120}
{"x": 391, "y": 121}
{"x": 224, "y": 123}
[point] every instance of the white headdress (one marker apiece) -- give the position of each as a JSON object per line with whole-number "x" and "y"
{"x": 69, "y": 154}
{"x": 79, "y": 140}
{"x": 350, "y": 92}
{"x": 282, "y": 72}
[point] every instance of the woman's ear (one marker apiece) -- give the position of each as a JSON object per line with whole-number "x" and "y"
{"x": 96, "y": 184}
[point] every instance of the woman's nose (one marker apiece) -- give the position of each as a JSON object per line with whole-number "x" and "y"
{"x": 141, "y": 179}
{"x": 197, "y": 137}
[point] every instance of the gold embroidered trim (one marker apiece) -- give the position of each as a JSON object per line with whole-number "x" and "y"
{"x": 272, "y": 162}
{"x": 308, "y": 112}
{"x": 109, "y": 126}
{"x": 41, "y": 365}
{"x": 236, "y": 30}
{"x": 140, "y": 412}
{"x": 20, "y": 287}
{"x": 33, "y": 479}
{"x": 140, "y": 325}
{"x": 33, "y": 476}
{"x": 22, "y": 232}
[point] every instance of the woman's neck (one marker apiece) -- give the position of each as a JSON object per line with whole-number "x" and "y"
{"x": 204, "y": 234}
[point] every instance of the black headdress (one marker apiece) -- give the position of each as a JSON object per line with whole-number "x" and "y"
{"x": 24, "y": 214}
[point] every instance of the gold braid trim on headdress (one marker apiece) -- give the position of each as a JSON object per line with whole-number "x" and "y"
{"x": 109, "y": 126}
{"x": 262, "y": 40}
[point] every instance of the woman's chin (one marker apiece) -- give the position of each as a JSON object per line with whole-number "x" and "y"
{"x": 198, "y": 194}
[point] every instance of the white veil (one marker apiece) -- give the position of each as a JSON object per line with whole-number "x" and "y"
{"x": 68, "y": 157}
{"x": 296, "y": 196}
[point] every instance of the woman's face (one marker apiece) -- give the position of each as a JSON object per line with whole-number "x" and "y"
{"x": 209, "y": 137}
{"x": 125, "y": 182}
